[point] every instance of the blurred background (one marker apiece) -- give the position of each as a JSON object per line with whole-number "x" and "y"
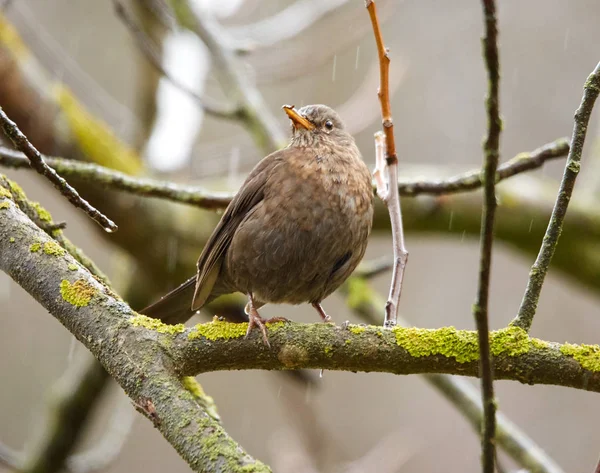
{"x": 314, "y": 51}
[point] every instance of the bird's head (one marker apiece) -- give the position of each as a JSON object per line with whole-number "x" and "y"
{"x": 316, "y": 124}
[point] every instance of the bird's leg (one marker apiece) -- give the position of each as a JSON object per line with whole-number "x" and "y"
{"x": 254, "y": 319}
{"x": 326, "y": 318}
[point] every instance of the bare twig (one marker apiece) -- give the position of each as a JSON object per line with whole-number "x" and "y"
{"x": 472, "y": 180}
{"x": 201, "y": 197}
{"x": 490, "y": 165}
{"x": 21, "y": 142}
{"x": 538, "y": 272}
{"x": 148, "y": 49}
{"x": 387, "y": 192}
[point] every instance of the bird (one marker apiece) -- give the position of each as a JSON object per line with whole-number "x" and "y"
{"x": 294, "y": 232}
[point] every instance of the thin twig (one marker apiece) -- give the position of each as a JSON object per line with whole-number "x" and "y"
{"x": 148, "y": 49}
{"x": 490, "y": 165}
{"x": 201, "y": 197}
{"x": 387, "y": 192}
{"x": 538, "y": 272}
{"x": 21, "y": 142}
{"x": 472, "y": 180}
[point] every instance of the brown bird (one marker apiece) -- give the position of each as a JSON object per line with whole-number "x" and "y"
{"x": 293, "y": 233}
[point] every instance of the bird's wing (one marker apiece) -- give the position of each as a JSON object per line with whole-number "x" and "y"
{"x": 249, "y": 195}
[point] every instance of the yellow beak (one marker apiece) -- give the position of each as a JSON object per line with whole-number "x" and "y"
{"x": 297, "y": 119}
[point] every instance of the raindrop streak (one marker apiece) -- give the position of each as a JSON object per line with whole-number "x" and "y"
{"x": 321, "y": 373}
{"x": 462, "y": 237}
{"x": 566, "y": 41}
{"x": 530, "y": 225}
{"x": 357, "y": 55}
{"x": 279, "y": 392}
{"x": 451, "y": 218}
{"x": 334, "y": 66}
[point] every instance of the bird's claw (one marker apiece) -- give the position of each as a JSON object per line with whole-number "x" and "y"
{"x": 257, "y": 321}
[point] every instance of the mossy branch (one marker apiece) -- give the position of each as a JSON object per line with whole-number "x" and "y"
{"x": 101, "y": 321}
{"x": 221, "y": 345}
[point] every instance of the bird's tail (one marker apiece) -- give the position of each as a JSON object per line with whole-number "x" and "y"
{"x": 174, "y": 307}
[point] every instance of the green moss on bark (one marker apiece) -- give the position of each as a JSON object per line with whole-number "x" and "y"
{"x": 154, "y": 324}
{"x": 79, "y": 293}
{"x": 54, "y": 249}
{"x": 588, "y": 356}
{"x": 218, "y": 330}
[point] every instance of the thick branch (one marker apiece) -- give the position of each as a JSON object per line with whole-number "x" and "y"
{"x": 490, "y": 165}
{"x": 100, "y": 321}
{"x": 539, "y": 269}
{"x": 112, "y": 331}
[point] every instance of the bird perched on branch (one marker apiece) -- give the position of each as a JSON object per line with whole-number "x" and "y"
{"x": 295, "y": 230}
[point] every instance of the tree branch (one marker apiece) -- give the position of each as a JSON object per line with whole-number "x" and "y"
{"x": 386, "y": 172}
{"x": 101, "y": 321}
{"x": 20, "y": 141}
{"x": 201, "y": 197}
{"x": 221, "y": 345}
{"x": 480, "y": 308}
{"x": 140, "y": 352}
{"x": 538, "y": 272}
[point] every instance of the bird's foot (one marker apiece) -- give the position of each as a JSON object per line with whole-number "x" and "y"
{"x": 326, "y": 318}
{"x": 255, "y": 320}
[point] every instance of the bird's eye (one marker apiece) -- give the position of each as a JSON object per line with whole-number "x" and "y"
{"x": 329, "y": 125}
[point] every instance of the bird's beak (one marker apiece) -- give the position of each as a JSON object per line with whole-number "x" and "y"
{"x": 297, "y": 119}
